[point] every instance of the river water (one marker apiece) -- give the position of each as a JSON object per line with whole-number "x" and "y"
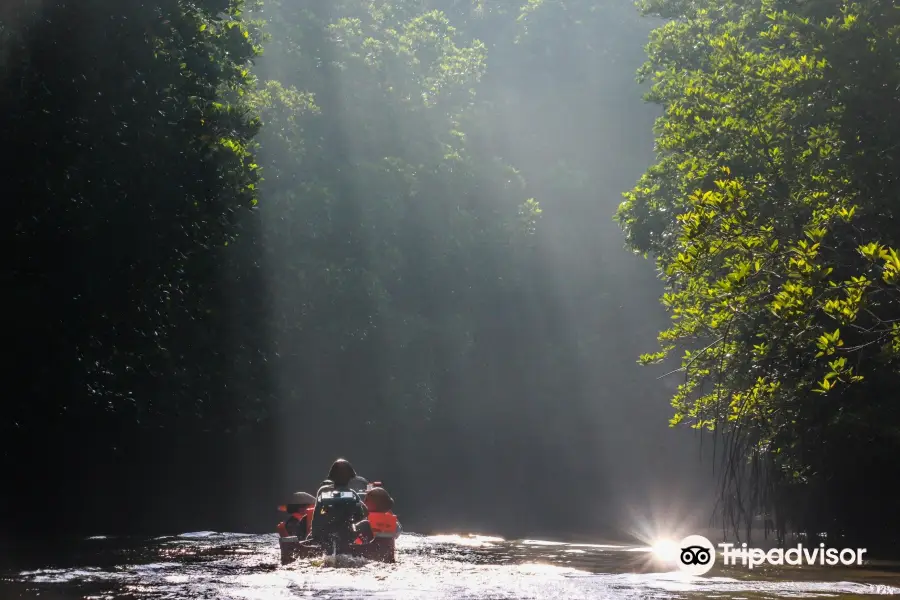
{"x": 211, "y": 565}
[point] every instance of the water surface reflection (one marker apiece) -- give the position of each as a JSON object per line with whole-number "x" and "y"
{"x": 232, "y": 566}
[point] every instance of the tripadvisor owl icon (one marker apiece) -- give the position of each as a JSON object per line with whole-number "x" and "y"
{"x": 696, "y": 555}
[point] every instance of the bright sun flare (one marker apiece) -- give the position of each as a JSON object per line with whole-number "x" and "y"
{"x": 665, "y": 550}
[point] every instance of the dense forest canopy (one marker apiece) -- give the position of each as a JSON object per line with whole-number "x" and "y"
{"x": 247, "y": 232}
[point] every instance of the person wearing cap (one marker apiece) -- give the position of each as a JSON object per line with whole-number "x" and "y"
{"x": 298, "y": 522}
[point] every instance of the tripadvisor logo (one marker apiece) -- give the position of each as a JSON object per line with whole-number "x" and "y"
{"x": 697, "y": 556}
{"x": 796, "y": 556}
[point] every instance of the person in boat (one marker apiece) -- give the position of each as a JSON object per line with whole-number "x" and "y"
{"x": 342, "y": 476}
{"x": 297, "y": 524}
{"x": 357, "y": 484}
{"x": 354, "y": 512}
{"x": 381, "y": 519}
{"x": 378, "y": 500}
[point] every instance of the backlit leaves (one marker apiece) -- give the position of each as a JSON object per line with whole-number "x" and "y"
{"x": 763, "y": 207}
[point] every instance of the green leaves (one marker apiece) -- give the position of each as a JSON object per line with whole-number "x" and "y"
{"x": 136, "y": 151}
{"x": 761, "y": 210}
{"x": 828, "y": 343}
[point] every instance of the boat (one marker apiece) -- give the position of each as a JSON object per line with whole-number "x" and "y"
{"x": 321, "y": 525}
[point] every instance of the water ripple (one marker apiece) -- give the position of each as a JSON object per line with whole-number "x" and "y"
{"x": 226, "y": 566}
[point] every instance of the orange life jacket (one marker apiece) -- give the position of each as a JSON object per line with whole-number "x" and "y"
{"x": 384, "y": 524}
{"x": 308, "y": 513}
